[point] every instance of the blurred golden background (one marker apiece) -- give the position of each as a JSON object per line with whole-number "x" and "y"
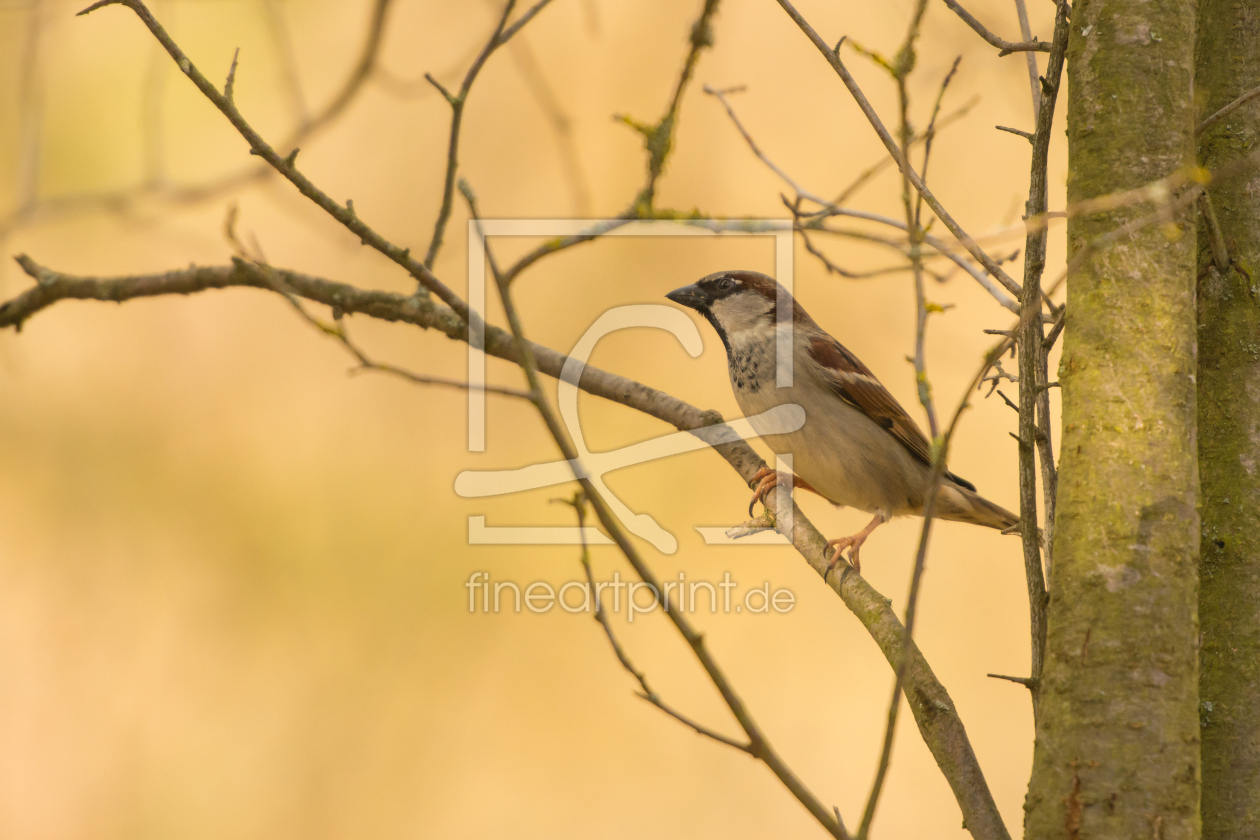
{"x": 232, "y": 597}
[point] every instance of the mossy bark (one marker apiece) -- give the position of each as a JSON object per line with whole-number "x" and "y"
{"x": 1227, "y": 64}
{"x": 1117, "y": 750}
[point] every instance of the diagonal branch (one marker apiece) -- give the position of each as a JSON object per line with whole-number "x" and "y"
{"x": 1006, "y": 47}
{"x": 1227, "y": 110}
{"x": 939, "y": 724}
{"x": 502, "y": 34}
{"x": 286, "y": 166}
{"x": 758, "y": 745}
{"x": 833, "y": 58}
{"x": 156, "y": 187}
{"x": 832, "y": 209}
{"x": 645, "y": 690}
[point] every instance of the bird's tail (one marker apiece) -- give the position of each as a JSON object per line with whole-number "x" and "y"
{"x": 962, "y": 505}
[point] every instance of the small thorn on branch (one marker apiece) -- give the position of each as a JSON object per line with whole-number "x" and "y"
{"x": 98, "y": 5}
{"x": 1007, "y": 400}
{"x": 1027, "y": 682}
{"x": 228, "y": 91}
{"x": 291, "y": 158}
{"x": 1025, "y": 134}
{"x": 450, "y": 99}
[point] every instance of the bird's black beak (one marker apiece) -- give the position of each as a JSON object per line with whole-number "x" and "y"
{"x": 691, "y": 296}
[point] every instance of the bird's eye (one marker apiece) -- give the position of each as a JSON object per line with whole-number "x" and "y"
{"x": 725, "y": 284}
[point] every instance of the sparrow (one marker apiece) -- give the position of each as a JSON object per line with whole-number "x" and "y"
{"x": 858, "y": 447}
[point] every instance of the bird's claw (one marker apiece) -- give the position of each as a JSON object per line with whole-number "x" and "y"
{"x": 767, "y": 479}
{"x": 851, "y": 543}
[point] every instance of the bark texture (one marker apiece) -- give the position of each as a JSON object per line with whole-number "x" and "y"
{"x": 1117, "y": 751}
{"x": 1227, "y": 64}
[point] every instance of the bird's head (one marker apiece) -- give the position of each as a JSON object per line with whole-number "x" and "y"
{"x": 736, "y": 302}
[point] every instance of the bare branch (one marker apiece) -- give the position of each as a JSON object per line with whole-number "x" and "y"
{"x": 659, "y": 141}
{"x": 502, "y": 34}
{"x": 758, "y": 745}
{"x": 1027, "y": 135}
{"x": 756, "y": 150}
{"x": 1006, "y": 47}
{"x": 833, "y": 58}
{"x": 156, "y": 188}
{"x": 944, "y": 249}
{"x": 258, "y": 146}
{"x": 1025, "y": 32}
{"x": 830, "y": 208}
{"x": 1034, "y": 403}
{"x": 659, "y": 138}
{"x": 579, "y": 504}
{"x": 904, "y": 64}
{"x": 874, "y": 169}
{"x": 939, "y": 724}
{"x": 1227, "y": 110}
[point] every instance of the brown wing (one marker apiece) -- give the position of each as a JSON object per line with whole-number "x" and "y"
{"x": 854, "y": 383}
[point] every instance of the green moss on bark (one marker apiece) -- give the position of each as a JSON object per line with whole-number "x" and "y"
{"x": 1227, "y": 63}
{"x": 1117, "y": 752}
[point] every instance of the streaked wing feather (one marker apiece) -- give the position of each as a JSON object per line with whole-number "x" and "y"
{"x": 854, "y": 383}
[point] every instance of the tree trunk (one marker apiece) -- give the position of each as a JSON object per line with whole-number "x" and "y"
{"x": 1117, "y": 750}
{"x": 1226, "y": 65}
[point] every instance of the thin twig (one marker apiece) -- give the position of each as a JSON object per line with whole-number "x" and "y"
{"x": 1025, "y": 31}
{"x": 939, "y": 724}
{"x": 501, "y": 35}
{"x": 343, "y": 214}
{"x": 831, "y": 208}
{"x": 941, "y": 247}
{"x": 883, "y": 163}
{"x": 156, "y": 188}
{"x": 1006, "y": 47}
{"x": 832, "y": 268}
{"x": 660, "y": 137}
{"x": 1215, "y": 236}
{"x": 1025, "y": 134}
{"x": 833, "y": 58}
{"x": 758, "y": 745}
{"x": 1034, "y": 402}
{"x": 578, "y": 503}
{"x": 659, "y": 140}
{"x": 904, "y": 64}
{"x": 1227, "y": 110}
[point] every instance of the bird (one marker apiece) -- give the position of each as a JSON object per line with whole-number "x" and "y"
{"x": 858, "y": 447}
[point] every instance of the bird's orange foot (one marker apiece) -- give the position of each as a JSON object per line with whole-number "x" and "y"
{"x": 853, "y": 543}
{"x": 767, "y": 479}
